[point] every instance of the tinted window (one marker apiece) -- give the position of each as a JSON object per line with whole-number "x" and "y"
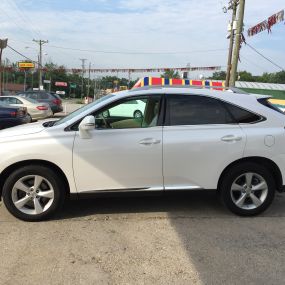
{"x": 43, "y": 96}
{"x": 242, "y": 116}
{"x": 196, "y": 110}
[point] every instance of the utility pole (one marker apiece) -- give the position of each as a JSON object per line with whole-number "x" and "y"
{"x": 88, "y": 86}
{"x": 232, "y": 6}
{"x": 237, "y": 42}
{"x": 3, "y": 44}
{"x": 82, "y": 79}
{"x": 41, "y": 43}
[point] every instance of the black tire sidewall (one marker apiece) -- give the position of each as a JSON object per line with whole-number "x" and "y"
{"x": 232, "y": 174}
{"x": 50, "y": 175}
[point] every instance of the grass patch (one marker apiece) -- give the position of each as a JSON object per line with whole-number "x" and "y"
{"x": 276, "y": 94}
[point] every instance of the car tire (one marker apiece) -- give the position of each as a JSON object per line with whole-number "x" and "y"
{"x": 138, "y": 114}
{"x": 33, "y": 193}
{"x": 247, "y": 189}
{"x": 30, "y": 119}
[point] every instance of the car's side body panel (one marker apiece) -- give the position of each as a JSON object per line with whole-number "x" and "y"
{"x": 116, "y": 159}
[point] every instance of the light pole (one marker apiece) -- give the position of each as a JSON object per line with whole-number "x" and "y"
{"x": 82, "y": 76}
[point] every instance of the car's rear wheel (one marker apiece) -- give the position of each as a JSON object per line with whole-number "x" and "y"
{"x": 30, "y": 119}
{"x": 247, "y": 189}
{"x": 33, "y": 193}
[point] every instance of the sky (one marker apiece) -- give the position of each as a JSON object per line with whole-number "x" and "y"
{"x": 138, "y": 33}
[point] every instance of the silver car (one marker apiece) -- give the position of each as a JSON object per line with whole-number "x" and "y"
{"x": 36, "y": 110}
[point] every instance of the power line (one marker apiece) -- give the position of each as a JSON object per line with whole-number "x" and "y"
{"x": 266, "y": 58}
{"x": 251, "y": 62}
{"x": 21, "y": 54}
{"x": 134, "y": 52}
{"x": 23, "y": 17}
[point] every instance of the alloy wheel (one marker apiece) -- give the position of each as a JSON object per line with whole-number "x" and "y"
{"x": 249, "y": 191}
{"x": 32, "y": 194}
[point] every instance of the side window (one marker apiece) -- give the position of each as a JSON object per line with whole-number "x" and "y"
{"x": 196, "y": 110}
{"x": 242, "y": 116}
{"x": 43, "y": 96}
{"x": 33, "y": 96}
{"x": 139, "y": 113}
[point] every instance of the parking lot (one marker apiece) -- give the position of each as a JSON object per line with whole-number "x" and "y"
{"x": 175, "y": 239}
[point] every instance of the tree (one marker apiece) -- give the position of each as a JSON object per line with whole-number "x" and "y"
{"x": 170, "y": 74}
{"x": 245, "y": 76}
{"x": 219, "y": 75}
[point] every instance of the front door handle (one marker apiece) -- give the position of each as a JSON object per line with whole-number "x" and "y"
{"x": 149, "y": 141}
{"x": 231, "y": 138}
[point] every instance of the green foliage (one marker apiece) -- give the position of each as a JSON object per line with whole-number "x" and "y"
{"x": 170, "y": 74}
{"x": 219, "y": 75}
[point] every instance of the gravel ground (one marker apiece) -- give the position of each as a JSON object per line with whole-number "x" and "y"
{"x": 175, "y": 239}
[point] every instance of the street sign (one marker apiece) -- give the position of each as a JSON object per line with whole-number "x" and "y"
{"x": 72, "y": 85}
{"x": 47, "y": 81}
{"x": 63, "y": 84}
{"x": 60, "y": 92}
{"x": 26, "y": 65}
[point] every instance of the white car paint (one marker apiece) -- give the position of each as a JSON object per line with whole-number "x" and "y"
{"x": 182, "y": 157}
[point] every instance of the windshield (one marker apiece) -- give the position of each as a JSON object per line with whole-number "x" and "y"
{"x": 82, "y": 109}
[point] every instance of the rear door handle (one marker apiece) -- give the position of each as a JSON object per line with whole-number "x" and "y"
{"x": 149, "y": 141}
{"x": 231, "y": 138}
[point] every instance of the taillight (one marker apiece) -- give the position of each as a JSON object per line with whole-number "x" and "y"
{"x": 13, "y": 114}
{"x": 57, "y": 101}
{"x": 42, "y": 108}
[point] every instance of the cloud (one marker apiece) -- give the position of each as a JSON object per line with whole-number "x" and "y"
{"x": 136, "y": 25}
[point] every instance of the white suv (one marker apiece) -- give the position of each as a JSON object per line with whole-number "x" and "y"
{"x": 186, "y": 139}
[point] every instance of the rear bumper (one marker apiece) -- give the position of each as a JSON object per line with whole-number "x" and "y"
{"x": 56, "y": 108}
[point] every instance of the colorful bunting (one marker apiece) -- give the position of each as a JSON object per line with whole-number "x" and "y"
{"x": 266, "y": 24}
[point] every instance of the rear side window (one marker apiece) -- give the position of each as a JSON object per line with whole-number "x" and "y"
{"x": 196, "y": 110}
{"x": 44, "y": 96}
{"x": 265, "y": 102}
{"x": 242, "y": 116}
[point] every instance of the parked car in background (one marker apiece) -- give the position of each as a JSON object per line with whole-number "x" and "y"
{"x": 35, "y": 110}
{"x": 11, "y": 116}
{"x": 52, "y": 99}
{"x": 133, "y": 108}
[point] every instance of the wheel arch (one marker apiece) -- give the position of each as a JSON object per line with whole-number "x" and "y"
{"x": 7, "y": 171}
{"x": 269, "y": 164}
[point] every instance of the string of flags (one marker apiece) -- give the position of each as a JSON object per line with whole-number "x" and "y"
{"x": 126, "y": 70}
{"x": 266, "y": 24}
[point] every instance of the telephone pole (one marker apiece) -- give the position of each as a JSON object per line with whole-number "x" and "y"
{"x": 40, "y": 43}
{"x": 233, "y": 6}
{"x": 82, "y": 78}
{"x": 237, "y": 43}
{"x": 88, "y": 86}
{"x": 3, "y": 44}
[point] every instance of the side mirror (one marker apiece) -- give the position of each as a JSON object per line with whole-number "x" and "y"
{"x": 86, "y": 125}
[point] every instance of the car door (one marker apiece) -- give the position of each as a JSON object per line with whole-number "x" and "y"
{"x": 200, "y": 139}
{"x": 123, "y": 152}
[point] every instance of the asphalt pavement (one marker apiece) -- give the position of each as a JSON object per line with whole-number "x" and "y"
{"x": 186, "y": 238}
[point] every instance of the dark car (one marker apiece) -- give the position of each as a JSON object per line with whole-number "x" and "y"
{"x": 46, "y": 97}
{"x": 12, "y": 116}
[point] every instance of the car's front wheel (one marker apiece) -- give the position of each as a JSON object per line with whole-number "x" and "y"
{"x": 33, "y": 193}
{"x": 247, "y": 189}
